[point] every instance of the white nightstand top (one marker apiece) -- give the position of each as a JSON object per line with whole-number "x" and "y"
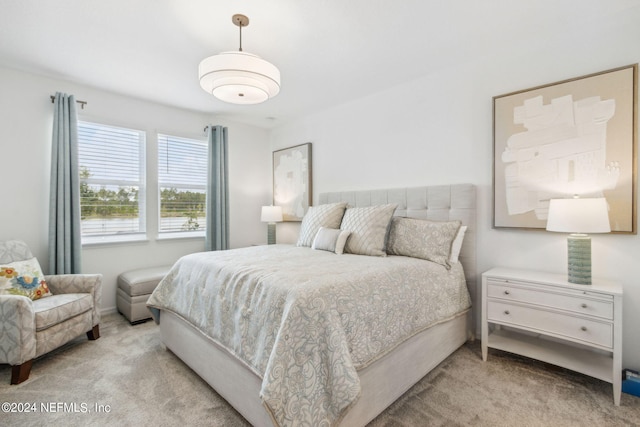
{"x": 545, "y": 278}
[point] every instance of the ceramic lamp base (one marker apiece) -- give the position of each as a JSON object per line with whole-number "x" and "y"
{"x": 579, "y": 259}
{"x": 271, "y": 233}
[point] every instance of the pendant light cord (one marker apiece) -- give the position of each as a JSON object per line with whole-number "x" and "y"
{"x": 240, "y": 25}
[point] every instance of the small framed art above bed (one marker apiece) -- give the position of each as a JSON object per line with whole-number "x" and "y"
{"x": 333, "y": 329}
{"x": 292, "y": 181}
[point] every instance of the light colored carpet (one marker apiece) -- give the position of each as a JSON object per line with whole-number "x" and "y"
{"x": 143, "y": 384}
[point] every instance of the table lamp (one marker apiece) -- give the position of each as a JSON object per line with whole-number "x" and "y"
{"x": 578, "y": 217}
{"x": 271, "y": 215}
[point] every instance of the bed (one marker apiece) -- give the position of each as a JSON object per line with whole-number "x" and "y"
{"x": 293, "y": 335}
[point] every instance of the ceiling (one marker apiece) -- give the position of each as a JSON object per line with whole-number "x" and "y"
{"x": 328, "y": 51}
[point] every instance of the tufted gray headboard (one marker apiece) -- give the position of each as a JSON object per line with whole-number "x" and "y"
{"x": 438, "y": 203}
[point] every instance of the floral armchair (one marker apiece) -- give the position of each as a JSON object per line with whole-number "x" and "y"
{"x": 39, "y": 313}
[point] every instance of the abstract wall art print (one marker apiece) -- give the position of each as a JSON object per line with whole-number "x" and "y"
{"x": 574, "y": 137}
{"x": 292, "y": 181}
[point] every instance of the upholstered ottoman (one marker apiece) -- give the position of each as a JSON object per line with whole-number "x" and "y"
{"x": 134, "y": 288}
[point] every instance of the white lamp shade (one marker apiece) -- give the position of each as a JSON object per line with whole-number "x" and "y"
{"x": 271, "y": 214}
{"x": 578, "y": 216}
{"x": 239, "y": 77}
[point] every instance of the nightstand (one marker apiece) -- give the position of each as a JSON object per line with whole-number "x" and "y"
{"x": 543, "y": 316}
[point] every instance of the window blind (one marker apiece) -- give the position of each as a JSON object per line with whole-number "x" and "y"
{"x": 182, "y": 178}
{"x": 112, "y": 186}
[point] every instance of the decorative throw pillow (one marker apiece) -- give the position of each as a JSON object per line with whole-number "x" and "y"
{"x": 23, "y": 278}
{"x": 368, "y": 227}
{"x": 330, "y": 239}
{"x": 456, "y": 246}
{"x": 329, "y": 216}
{"x": 417, "y": 238}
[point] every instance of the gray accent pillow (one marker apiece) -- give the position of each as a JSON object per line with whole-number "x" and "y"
{"x": 328, "y": 216}
{"x": 418, "y": 238}
{"x": 330, "y": 239}
{"x": 368, "y": 226}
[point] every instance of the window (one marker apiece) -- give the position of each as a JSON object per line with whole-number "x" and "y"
{"x": 182, "y": 180}
{"x": 112, "y": 185}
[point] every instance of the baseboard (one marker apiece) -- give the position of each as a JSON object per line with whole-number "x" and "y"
{"x": 108, "y": 310}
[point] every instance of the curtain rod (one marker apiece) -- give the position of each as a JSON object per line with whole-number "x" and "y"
{"x": 82, "y": 103}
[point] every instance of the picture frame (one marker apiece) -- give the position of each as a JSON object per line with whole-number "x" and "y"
{"x": 572, "y": 137}
{"x": 292, "y": 181}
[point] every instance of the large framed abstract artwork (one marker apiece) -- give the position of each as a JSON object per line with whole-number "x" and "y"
{"x": 292, "y": 181}
{"x": 574, "y": 137}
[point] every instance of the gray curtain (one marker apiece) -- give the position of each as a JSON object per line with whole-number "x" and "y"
{"x": 217, "y": 191}
{"x": 64, "y": 201}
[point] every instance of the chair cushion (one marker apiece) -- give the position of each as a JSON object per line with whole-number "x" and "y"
{"x": 58, "y": 308}
{"x": 23, "y": 278}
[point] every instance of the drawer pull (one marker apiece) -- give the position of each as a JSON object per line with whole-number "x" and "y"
{"x": 584, "y": 328}
{"x": 583, "y": 305}
{"x": 506, "y": 312}
{"x": 506, "y": 292}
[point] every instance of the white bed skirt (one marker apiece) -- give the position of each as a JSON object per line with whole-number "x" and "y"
{"x": 382, "y": 382}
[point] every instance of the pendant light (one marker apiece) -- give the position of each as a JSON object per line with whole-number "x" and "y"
{"x": 239, "y": 77}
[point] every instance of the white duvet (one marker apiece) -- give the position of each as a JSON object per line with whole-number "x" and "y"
{"x": 305, "y": 321}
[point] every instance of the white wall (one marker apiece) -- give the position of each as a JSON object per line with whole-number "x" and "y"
{"x": 25, "y": 150}
{"x": 438, "y": 129}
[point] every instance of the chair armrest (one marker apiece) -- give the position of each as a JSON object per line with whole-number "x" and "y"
{"x": 73, "y": 283}
{"x": 78, "y": 283}
{"x": 17, "y": 329}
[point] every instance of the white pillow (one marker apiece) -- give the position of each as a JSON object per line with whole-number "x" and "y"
{"x": 329, "y": 216}
{"x": 330, "y": 239}
{"x": 457, "y": 244}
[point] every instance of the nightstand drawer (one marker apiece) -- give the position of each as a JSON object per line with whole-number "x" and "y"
{"x": 602, "y": 307}
{"x": 553, "y": 323}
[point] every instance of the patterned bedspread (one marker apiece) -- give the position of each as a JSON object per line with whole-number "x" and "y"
{"x": 305, "y": 321}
